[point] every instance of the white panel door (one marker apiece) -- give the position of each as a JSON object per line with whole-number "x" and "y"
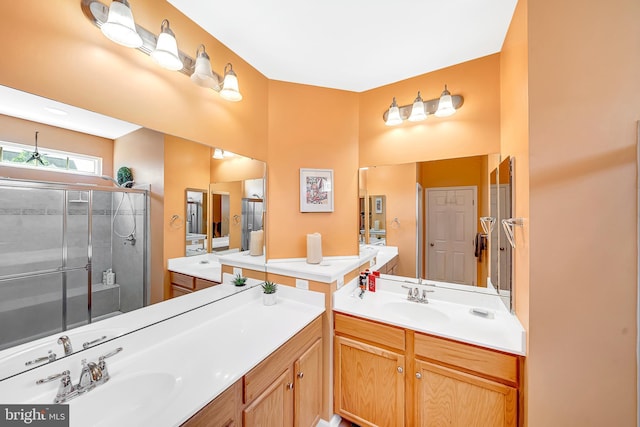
{"x": 451, "y": 230}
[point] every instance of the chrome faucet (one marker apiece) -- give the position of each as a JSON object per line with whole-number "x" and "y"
{"x": 414, "y": 294}
{"x": 92, "y": 375}
{"x": 66, "y": 344}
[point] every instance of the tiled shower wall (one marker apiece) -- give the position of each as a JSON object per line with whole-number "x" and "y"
{"x": 32, "y": 240}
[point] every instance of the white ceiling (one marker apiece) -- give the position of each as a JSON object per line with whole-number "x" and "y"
{"x": 352, "y": 45}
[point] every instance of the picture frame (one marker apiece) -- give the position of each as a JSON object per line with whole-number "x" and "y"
{"x": 316, "y": 190}
{"x": 378, "y": 205}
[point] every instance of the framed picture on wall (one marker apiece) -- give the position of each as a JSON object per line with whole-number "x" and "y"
{"x": 316, "y": 190}
{"x": 378, "y": 204}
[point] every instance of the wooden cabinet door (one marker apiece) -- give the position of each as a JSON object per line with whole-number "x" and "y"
{"x": 308, "y": 386}
{"x": 369, "y": 384}
{"x": 274, "y": 407}
{"x": 223, "y": 411}
{"x": 446, "y": 397}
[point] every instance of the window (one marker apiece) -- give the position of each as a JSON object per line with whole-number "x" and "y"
{"x": 18, "y": 155}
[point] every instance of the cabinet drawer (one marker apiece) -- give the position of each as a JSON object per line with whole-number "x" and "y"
{"x": 267, "y": 371}
{"x": 482, "y": 361}
{"x": 177, "y": 291}
{"x": 202, "y": 283}
{"x": 182, "y": 280}
{"x": 370, "y": 331}
{"x": 224, "y": 410}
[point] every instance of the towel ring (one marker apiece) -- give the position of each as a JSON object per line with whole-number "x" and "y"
{"x": 176, "y": 222}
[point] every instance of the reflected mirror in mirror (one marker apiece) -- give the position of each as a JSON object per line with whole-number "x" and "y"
{"x": 20, "y": 111}
{"x": 436, "y": 208}
{"x": 237, "y": 205}
{"x": 504, "y": 202}
{"x": 196, "y": 222}
{"x": 376, "y": 220}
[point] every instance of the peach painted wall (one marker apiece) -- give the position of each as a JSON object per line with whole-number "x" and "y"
{"x": 311, "y": 127}
{"x": 186, "y": 165}
{"x": 583, "y": 212}
{"x": 398, "y": 183}
{"x": 514, "y": 120}
{"x": 57, "y": 53}
{"x": 23, "y": 132}
{"x": 143, "y": 152}
{"x": 473, "y": 130}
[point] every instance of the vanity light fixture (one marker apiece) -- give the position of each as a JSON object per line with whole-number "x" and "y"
{"x": 230, "y": 90}
{"x": 120, "y": 26}
{"x": 417, "y": 110}
{"x": 393, "y": 115}
{"x": 202, "y": 74}
{"x": 166, "y": 51}
{"x": 162, "y": 48}
{"x": 444, "y": 106}
{"x": 218, "y": 154}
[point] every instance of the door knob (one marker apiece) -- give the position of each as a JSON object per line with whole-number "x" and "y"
{"x": 418, "y": 375}
{"x": 400, "y": 370}
{"x": 290, "y": 386}
{"x": 300, "y": 375}
{"x": 432, "y": 244}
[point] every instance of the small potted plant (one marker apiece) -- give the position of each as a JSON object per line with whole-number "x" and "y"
{"x": 239, "y": 280}
{"x": 269, "y": 293}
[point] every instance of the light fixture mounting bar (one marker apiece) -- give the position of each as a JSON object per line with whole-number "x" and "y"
{"x": 430, "y": 107}
{"x": 98, "y": 13}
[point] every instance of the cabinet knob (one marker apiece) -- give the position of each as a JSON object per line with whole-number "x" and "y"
{"x": 418, "y": 375}
{"x": 400, "y": 370}
{"x": 290, "y": 386}
{"x": 300, "y": 375}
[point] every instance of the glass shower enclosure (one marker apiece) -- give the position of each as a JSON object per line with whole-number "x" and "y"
{"x": 69, "y": 255}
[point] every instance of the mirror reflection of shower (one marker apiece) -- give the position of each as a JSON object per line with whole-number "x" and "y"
{"x": 127, "y": 232}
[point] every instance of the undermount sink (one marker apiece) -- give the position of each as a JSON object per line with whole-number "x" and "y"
{"x": 415, "y": 311}
{"x": 124, "y": 400}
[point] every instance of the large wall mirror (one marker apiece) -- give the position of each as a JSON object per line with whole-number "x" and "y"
{"x": 196, "y": 221}
{"x": 432, "y": 213}
{"x": 201, "y": 229}
{"x": 237, "y": 209}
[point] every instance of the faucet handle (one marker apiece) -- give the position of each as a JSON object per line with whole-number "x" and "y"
{"x": 64, "y": 375}
{"x": 110, "y": 354}
{"x": 103, "y": 365}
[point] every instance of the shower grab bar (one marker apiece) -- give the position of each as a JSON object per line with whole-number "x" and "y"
{"x": 42, "y": 273}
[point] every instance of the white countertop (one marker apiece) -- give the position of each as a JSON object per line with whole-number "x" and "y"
{"x": 12, "y": 360}
{"x": 195, "y": 356}
{"x": 204, "y": 266}
{"x": 328, "y": 271}
{"x": 446, "y": 315}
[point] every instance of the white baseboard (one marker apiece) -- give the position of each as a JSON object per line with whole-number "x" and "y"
{"x": 334, "y": 422}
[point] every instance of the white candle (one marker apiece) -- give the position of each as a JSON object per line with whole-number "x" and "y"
{"x": 314, "y": 248}
{"x": 256, "y": 242}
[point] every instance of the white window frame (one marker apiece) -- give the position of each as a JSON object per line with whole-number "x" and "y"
{"x": 97, "y": 161}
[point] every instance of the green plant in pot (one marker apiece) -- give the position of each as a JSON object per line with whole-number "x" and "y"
{"x": 269, "y": 293}
{"x": 239, "y": 280}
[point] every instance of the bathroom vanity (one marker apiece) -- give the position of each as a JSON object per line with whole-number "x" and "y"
{"x": 234, "y": 353}
{"x": 455, "y": 360}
